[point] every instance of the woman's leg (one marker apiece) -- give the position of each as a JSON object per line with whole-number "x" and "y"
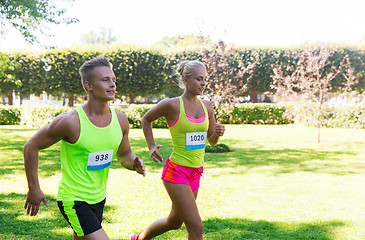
{"x": 183, "y": 210}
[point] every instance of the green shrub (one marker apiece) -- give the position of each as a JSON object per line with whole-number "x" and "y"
{"x": 227, "y": 114}
{"x": 9, "y": 115}
{"x": 219, "y": 148}
{"x": 333, "y": 117}
{"x": 344, "y": 117}
{"x": 263, "y": 113}
{"x": 40, "y": 115}
{"x": 253, "y": 113}
{"x": 136, "y": 112}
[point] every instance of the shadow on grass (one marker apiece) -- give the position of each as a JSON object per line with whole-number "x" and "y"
{"x": 245, "y": 156}
{"x": 139, "y": 147}
{"x": 236, "y": 228}
{"x": 254, "y": 156}
{"x": 14, "y": 162}
{"x": 282, "y": 160}
{"x": 9, "y": 129}
{"x": 14, "y": 223}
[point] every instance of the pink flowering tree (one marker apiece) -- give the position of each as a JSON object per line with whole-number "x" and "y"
{"x": 226, "y": 79}
{"x": 311, "y": 79}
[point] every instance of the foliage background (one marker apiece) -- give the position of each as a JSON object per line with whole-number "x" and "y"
{"x": 259, "y": 113}
{"x": 144, "y": 71}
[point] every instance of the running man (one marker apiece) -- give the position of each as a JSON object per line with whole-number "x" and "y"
{"x": 191, "y": 123}
{"x": 91, "y": 135}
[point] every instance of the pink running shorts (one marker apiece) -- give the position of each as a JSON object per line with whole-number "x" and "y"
{"x": 175, "y": 173}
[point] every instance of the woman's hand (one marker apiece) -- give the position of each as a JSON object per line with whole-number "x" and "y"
{"x": 155, "y": 154}
{"x": 219, "y": 129}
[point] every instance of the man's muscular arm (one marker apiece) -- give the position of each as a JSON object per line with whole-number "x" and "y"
{"x": 125, "y": 156}
{"x": 43, "y": 138}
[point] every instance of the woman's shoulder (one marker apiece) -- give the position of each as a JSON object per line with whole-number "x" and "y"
{"x": 169, "y": 102}
{"x": 208, "y": 104}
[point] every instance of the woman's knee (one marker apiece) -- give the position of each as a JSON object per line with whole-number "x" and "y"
{"x": 175, "y": 225}
{"x": 195, "y": 228}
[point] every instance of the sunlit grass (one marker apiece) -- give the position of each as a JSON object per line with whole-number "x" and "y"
{"x": 277, "y": 183}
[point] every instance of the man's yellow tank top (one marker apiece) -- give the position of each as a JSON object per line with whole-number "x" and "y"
{"x": 85, "y": 164}
{"x": 189, "y": 138}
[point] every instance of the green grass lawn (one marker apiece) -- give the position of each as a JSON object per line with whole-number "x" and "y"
{"x": 277, "y": 183}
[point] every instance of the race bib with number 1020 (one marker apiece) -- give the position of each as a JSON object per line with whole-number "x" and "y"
{"x": 195, "y": 140}
{"x": 99, "y": 160}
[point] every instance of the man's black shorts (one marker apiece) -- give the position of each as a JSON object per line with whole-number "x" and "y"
{"x": 84, "y": 218}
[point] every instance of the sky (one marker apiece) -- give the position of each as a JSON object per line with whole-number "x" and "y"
{"x": 242, "y": 22}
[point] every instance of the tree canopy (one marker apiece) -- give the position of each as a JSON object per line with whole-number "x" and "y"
{"x": 183, "y": 41}
{"x": 102, "y": 36}
{"x": 29, "y": 17}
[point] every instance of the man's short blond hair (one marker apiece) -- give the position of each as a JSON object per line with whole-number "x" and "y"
{"x": 86, "y": 69}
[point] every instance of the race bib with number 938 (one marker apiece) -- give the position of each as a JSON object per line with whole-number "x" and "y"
{"x": 195, "y": 140}
{"x": 99, "y": 160}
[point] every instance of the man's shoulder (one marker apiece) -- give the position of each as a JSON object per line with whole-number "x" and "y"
{"x": 120, "y": 114}
{"x": 67, "y": 119}
{"x": 122, "y": 118}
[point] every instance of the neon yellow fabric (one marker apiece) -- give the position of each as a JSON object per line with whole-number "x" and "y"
{"x": 81, "y": 180}
{"x": 72, "y": 217}
{"x": 180, "y": 153}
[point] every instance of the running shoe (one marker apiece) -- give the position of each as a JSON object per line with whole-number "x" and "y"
{"x": 133, "y": 236}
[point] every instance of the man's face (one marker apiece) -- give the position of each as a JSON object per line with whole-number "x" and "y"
{"x": 103, "y": 84}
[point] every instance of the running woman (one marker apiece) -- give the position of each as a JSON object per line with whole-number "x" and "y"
{"x": 91, "y": 135}
{"x": 191, "y": 123}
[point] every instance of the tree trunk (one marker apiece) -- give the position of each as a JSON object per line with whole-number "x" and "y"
{"x": 21, "y": 97}
{"x": 131, "y": 97}
{"x": 254, "y": 97}
{"x": 319, "y": 117}
{"x": 63, "y": 99}
{"x": 71, "y": 98}
{"x": 10, "y": 98}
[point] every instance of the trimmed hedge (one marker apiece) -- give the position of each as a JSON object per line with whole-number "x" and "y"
{"x": 263, "y": 113}
{"x": 333, "y": 117}
{"x": 147, "y": 71}
{"x": 249, "y": 113}
{"x": 135, "y": 113}
{"x": 253, "y": 113}
{"x": 40, "y": 115}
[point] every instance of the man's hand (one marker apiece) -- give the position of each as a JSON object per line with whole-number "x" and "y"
{"x": 34, "y": 200}
{"x": 139, "y": 166}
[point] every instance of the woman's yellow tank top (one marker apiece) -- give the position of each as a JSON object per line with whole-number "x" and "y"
{"x": 189, "y": 138}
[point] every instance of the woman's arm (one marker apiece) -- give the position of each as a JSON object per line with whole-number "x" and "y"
{"x": 215, "y": 130}
{"x": 163, "y": 109}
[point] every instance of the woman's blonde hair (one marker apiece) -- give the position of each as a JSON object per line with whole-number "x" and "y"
{"x": 186, "y": 69}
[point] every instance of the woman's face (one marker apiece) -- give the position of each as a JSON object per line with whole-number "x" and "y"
{"x": 196, "y": 82}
